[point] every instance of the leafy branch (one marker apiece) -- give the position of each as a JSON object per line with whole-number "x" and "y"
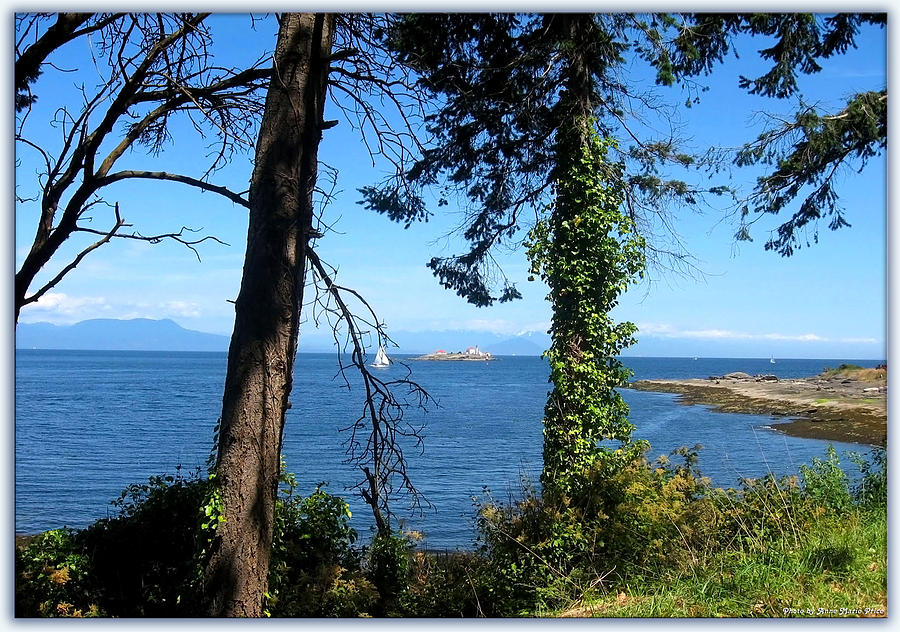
{"x": 807, "y": 152}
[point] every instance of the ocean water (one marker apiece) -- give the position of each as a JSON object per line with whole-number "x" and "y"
{"x": 88, "y": 423}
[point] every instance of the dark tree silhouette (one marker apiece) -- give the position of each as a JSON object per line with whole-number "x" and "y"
{"x": 157, "y": 68}
{"x": 500, "y": 80}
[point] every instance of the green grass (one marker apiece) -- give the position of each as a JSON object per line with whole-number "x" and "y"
{"x": 663, "y": 543}
{"x": 837, "y": 569}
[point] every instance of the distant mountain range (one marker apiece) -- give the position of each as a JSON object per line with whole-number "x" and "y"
{"x": 144, "y": 334}
{"x": 106, "y": 334}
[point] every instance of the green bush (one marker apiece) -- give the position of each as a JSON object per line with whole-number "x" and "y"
{"x": 141, "y": 563}
{"x": 448, "y": 585}
{"x": 316, "y": 571}
{"x": 765, "y": 514}
{"x": 871, "y": 491}
{"x": 545, "y": 550}
{"x": 638, "y": 523}
{"x": 146, "y": 558}
{"x": 388, "y": 568}
{"x": 826, "y": 483}
{"x": 658, "y": 520}
{"x": 843, "y": 367}
{"x": 146, "y": 561}
{"x": 52, "y": 578}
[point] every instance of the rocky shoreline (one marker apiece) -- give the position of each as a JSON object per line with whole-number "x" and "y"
{"x": 832, "y": 408}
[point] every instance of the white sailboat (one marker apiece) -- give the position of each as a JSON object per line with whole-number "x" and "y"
{"x": 772, "y": 360}
{"x": 381, "y": 359}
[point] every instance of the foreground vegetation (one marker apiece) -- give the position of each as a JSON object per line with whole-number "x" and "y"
{"x": 655, "y": 541}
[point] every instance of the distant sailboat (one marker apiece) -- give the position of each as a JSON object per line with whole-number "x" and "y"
{"x": 381, "y": 360}
{"x": 771, "y": 360}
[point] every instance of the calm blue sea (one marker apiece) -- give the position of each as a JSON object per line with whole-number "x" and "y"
{"x": 88, "y": 423}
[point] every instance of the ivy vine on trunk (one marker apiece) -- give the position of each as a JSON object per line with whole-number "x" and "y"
{"x": 588, "y": 253}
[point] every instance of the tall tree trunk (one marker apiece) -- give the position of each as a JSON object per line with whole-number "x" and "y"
{"x": 578, "y": 355}
{"x": 264, "y": 343}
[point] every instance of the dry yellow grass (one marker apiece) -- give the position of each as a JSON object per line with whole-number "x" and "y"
{"x": 852, "y": 372}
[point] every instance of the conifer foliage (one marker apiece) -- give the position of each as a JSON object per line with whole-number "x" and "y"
{"x": 499, "y": 83}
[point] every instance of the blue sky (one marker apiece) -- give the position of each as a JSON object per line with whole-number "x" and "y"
{"x": 826, "y": 301}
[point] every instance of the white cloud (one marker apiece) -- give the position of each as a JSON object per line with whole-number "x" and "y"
{"x": 870, "y": 341}
{"x": 539, "y": 327}
{"x": 654, "y": 328}
{"x": 59, "y": 307}
{"x": 491, "y": 325}
{"x": 503, "y": 326}
{"x": 798, "y": 338}
{"x": 707, "y": 334}
{"x": 657, "y": 330}
{"x": 182, "y": 308}
{"x": 63, "y": 309}
{"x": 495, "y": 325}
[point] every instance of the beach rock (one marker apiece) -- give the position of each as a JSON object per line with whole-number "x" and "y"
{"x": 737, "y": 375}
{"x": 766, "y": 378}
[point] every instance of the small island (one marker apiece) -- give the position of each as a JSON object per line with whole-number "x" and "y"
{"x": 470, "y": 354}
{"x": 848, "y": 403}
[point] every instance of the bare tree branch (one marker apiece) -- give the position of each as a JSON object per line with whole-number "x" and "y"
{"x": 152, "y": 67}
{"x": 74, "y": 263}
{"x": 380, "y": 455}
{"x": 155, "y": 239}
{"x": 173, "y": 177}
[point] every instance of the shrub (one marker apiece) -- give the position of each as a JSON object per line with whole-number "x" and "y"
{"x": 146, "y": 561}
{"x": 855, "y": 372}
{"x": 826, "y": 483}
{"x": 316, "y": 570}
{"x": 644, "y": 520}
{"x": 871, "y": 491}
{"x": 764, "y": 514}
{"x": 546, "y": 550}
{"x": 52, "y": 578}
{"x": 654, "y": 521}
{"x": 388, "y": 568}
{"x": 140, "y": 563}
{"x": 448, "y": 585}
{"x": 146, "y": 558}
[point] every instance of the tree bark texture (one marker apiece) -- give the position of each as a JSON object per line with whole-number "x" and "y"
{"x": 264, "y": 343}
{"x": 578, "y": 100}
